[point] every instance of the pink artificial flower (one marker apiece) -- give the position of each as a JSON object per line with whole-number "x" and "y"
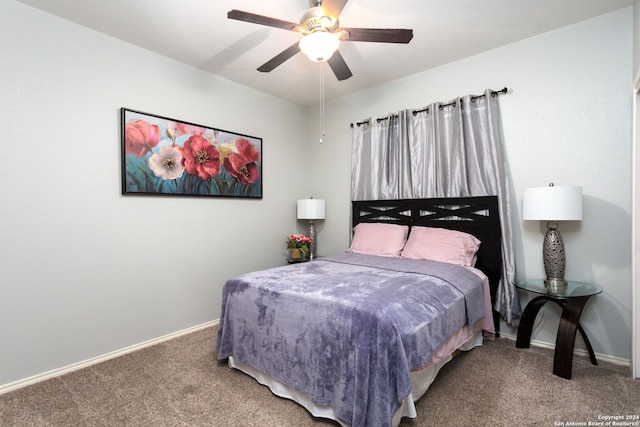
{"x": 200, "y": 157}
{"x": 298, "y": 241}
{"x": 241, "y": 165}
{"x": 140, "y": 137}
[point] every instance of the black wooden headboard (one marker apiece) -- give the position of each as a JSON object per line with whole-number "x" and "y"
{"x": 478, "y": 216}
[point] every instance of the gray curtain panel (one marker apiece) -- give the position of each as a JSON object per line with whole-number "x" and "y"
{"x": 452, "y": 149}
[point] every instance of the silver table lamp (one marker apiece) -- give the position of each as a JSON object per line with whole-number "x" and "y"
{"x": 553, "y": 204}
{"x": 311, "y": 209}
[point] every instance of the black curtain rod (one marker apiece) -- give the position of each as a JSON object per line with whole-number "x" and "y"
{"x": 442, "y": 106}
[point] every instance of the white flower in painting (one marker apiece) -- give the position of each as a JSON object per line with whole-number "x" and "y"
{"x": 167, "y": 163}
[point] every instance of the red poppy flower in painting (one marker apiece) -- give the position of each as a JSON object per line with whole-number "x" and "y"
{"x": 200, "y": 157}
{"x": 241, "y": 164}
{"x": 140, "y": 137}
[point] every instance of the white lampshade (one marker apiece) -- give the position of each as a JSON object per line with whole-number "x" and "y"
{"x": 320, "y": 45}
{"x": 553, "y": 203}
{"x": 311, "y": 209}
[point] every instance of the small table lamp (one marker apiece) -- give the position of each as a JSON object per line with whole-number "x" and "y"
{"x": 311, "y": 209}
{"x": 553, "y": 204}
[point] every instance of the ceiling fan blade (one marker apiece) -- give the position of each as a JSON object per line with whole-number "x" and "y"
{"x": 239, "y": 15}
{"x": 382, "y": 35}
{"x": 339, "y": 66}
{"x": 277, "y": 60}
{"x": 333, "y": 7}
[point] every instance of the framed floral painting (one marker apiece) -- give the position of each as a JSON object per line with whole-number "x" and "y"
{"x": 163, "y": 156}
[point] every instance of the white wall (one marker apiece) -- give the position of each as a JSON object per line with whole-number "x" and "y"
{"x": 567, "y": 119}
{"x": 636, "y": 36}
{"x": 84, "y": 270}
{"x": 636, "y": 191}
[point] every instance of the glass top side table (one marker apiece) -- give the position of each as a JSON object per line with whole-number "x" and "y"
{"x": 572, "y": 290}
{"x": 572, "y": 299}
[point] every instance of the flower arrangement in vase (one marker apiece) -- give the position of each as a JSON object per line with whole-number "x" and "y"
{"x": 298, "y": 245}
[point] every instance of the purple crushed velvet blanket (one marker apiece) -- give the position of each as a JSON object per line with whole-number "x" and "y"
{"x": 348, "y": 329}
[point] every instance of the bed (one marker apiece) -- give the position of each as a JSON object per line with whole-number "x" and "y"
{"x": 358, "y": 337}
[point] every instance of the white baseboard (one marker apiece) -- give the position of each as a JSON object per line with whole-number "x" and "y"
{"x": 5, "y": 388}
{"x": 581, "y": 352}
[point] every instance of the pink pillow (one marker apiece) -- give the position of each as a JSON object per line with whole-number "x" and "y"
{"x": 440, "y": 244}
{"x": 378, "y": 239}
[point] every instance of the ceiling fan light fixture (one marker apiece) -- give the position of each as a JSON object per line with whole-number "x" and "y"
{"x": 319, "y": 45}
{"x": 321, "y": 35}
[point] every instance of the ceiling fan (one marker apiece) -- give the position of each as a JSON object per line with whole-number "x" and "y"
{"x": 322, "y": 35}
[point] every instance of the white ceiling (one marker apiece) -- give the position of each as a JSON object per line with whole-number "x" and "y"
{"x": 198, "y": 33}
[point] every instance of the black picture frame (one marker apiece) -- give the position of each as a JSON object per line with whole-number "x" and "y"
{"x": 165, "y": 156}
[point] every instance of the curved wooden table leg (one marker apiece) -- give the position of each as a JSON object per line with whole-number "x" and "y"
{"x": 529, "y": 314}
{"x": 565, "y": 340}
{"x": 587, "y": 343}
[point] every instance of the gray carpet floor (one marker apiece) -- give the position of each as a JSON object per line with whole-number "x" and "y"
{"x": 180, "y": 383}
